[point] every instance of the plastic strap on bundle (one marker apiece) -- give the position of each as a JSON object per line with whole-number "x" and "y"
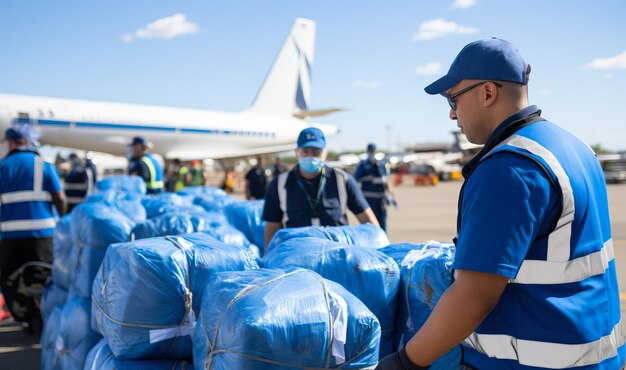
{"x": 338, "y": 320}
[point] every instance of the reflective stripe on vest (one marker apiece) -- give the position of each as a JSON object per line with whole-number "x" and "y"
{"x": 180, "y": 182}
{"x": 75, "y": 200}
{"x": 342, "y": 193}
{"x": 557, "y": 269}
{"x": 374, "y": 194}
{"x": 153, "y": 183}
{"x": 27, "y": 225}
{"x": 546, "y": 354}
{"x": 377, "y": 180}
{"x": 75, "y": 186}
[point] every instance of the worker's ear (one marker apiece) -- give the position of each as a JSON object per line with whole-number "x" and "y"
{"x": 324, "y": 154}
{"x": 297, "y": 153}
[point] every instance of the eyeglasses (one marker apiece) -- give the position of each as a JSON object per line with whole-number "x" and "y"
{"x": 450, "y": 98}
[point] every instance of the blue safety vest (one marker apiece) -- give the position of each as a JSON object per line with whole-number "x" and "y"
{"x": 26, "y": 182}
{"x": 154, "y": 180}
{"x": 562, "y": 309}
{"x": 372, "y": 177}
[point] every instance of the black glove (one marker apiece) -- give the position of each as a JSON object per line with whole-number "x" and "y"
{"x": 398, "y": 361}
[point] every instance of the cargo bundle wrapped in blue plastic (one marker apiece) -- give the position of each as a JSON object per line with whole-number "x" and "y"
{"x": 366, "y": 235}
{"x": 52, "y": 297}
{"x": 93, "y": 227}
{"x": 159, "y": 204}
{"x": 203, "y": 190}
{"x": 110, "y": 195}
{"x": 147, "y": 292}
{"x": 61, "y": 253}
{"x": 365, "y": 272}
{"x": 168, "y": 224}
{"x": 272, "y": 320}
{"x": 48, "y": 342}
{"x": 123, "y": 183}
{"x": 426, "y": 274}
{"x": 247, "y": 218}
{"x": 212, "y": 203}
{"x": 101, "y": 358}
{"x": 75, "y": 337}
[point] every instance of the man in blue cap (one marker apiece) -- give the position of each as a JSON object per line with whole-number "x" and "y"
{"x": 31, "y": 199}
{"x": 535, "y": 285}
{"x": 313, "y": 193}
{"x": 144, "y": 165}
{"x": 372, "y": 176}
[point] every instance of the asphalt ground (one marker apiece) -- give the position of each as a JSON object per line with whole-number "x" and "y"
{"x": 424, "y": 213}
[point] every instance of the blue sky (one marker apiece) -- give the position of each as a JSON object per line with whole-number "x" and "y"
{"x": 372, "y": 57}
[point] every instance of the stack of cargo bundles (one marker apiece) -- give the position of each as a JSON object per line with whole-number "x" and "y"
{"x": 367, "y": 273}
{"x": 101, "y": 357}
{"x": 426, "y": 274}
{"x": 272, "y": 320}
{"x": 365, "y": 235}
{"x": 74, "y": 338}
{"x": 52, "y": 297}
{"x": 161, "y": 203}
{"x": 247, "y": 217}
{"x": 202, "y": 190}
{"x": 48, "y": 341}
{"x": 57, "y": 291}
{"x": 147, "y": 293}
{"x": 123, "y": 184}
{"x": 213, "y": 203}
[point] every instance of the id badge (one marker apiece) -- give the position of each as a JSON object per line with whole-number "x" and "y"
{"x": 315, "y": 221}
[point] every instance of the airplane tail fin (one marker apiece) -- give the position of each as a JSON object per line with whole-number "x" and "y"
{"x": 287, "y": 87}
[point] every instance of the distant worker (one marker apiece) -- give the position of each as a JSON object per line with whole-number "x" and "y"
{"x": 535, "y": 280}
{"x": 178, "y": 177}
{"x": 230, "y": 182}
{"x": 313, "y": 193}
{"x": 278, "y": 168}
{"x": 144, "y": 165}
{"x": 79, "y": 181}
{"x": 256, "y": 180}
{"x": 31, "y": 199}
{"x": 197, "y": 174}
{"x": 372, "y": 176}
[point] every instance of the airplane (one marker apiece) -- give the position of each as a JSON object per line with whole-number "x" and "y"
{"x": 270, "y": 125}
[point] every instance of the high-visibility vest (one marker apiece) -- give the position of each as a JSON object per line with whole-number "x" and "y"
{"x": 156, "y": 173}
{"x": 180, "y": 180}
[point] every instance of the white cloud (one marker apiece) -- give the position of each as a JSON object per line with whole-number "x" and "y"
{"x": 463, "y": 4}
{"x": 607, "y": 76}
{"x": 365, "y": 84}
{"x": 429, "y": 69}
{"x": 616, "y": 62}
{"x": 545, "y": 92}
{"x": 439, "y": 27}
{"x": 165, "y": 28}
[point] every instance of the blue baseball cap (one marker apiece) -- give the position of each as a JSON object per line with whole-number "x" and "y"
{"x": 371, "y": 147}
{"x": 139, "y": 140}
{"x": 311, "y": 137}
{"x": 491, "y": 59}
{"x": 13, "y": 134}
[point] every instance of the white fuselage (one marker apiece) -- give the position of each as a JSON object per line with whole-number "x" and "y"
{"x": 175, "y": 132}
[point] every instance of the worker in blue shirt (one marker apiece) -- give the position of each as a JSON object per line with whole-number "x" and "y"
{"x": 535, "y": 282}
{"x": 256, "y": 181}
{"x": 372, "y": 176}
{"x": 31, "y": 199}
{"x": 144, "y": 165}
{"x": 80, "y": 181}
{"x": 313, "y": 193}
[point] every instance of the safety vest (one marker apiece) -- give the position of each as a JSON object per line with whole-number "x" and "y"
{"x": 78, "y": 184}
{"x": 372, "y": 179}
{"x": 25, "y": 206}
{"x": 342, "y": 180}
{"x": 561, "y": 310}
{"x": 180, "y": 182}
{"x": 155, "y": 184}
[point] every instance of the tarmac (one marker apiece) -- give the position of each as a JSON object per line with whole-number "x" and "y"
{"x": 424, "y": 213}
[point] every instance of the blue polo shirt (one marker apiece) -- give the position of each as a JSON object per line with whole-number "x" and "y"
{"x": 298, "y": 208}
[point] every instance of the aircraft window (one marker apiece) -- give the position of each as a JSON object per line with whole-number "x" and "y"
{"x": 23, "y": 115}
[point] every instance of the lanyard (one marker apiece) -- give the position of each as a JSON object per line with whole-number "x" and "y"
{"x": 320, "y": 188}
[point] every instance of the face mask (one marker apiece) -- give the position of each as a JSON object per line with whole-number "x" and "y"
{"x": 310, "y": 164}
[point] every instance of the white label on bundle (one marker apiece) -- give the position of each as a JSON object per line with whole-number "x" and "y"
{"x": 339, "y": 314}
{"x": 186, "y": 329}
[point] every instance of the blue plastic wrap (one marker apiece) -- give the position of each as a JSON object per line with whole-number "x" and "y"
{"x": 147, "y": 292}
{"x": 203, "y": 190}
{"x": 75, "y": 337}
{"x": 61, "y": 252}
{"x": 365, "y": 272}
{"x": 110, "y": 195}
{"x": 169, "y": 224}
{"x": 93, "y": 227}
{"x": 366, "y": 235}
{"x": 213, "y": 203}
{"x": 156, "y": 205}
{"x": 247, "y": 218}
{"x": 272, "y": 320}
{"x": 426, "y": 274}
{"x": 52, "y": 297}
{"x": 123, "y": 183}
{"x": 48, "y": 341}
{"x": 101, "y": 358}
